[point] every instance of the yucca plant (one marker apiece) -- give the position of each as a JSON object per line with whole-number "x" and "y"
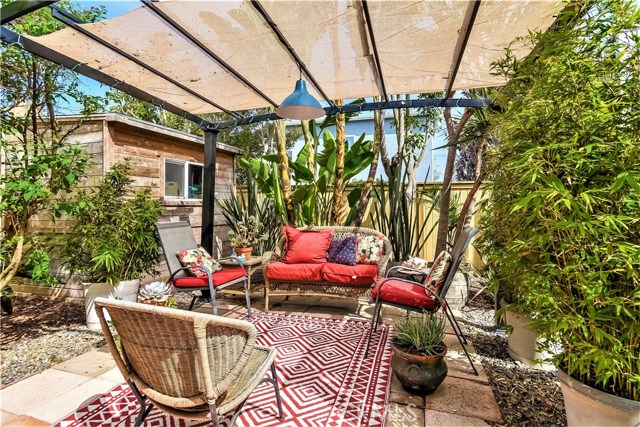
{"x": 422, "y": 334}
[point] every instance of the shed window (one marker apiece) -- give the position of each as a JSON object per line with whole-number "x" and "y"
{"x": 182, "y": 180}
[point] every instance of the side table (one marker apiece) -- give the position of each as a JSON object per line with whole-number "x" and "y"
{"x": 252, "y": 265}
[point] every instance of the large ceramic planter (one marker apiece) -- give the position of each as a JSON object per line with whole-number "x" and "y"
{"x": 126, "y": 290}
{"x": 586, "y": 406}
{"x": 419, "y": 374}
{"x": 523, "y": 342}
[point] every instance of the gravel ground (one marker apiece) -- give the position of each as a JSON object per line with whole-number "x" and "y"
{"x": 526, "y": 396}
{"x": 43, "y": 332}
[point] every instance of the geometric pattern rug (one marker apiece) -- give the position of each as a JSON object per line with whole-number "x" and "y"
{"x": 325, "y": 380}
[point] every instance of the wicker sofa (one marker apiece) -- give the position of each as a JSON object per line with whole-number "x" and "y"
{"x": 342, "y": 283}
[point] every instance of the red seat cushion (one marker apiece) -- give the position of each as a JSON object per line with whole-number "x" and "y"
{"x": 219, "y": 278}
{"x": 399, "y": 292}
{"x": 306, "y": 247}
{"x": 294, "y": 272}
{"x": 360, "y": 274}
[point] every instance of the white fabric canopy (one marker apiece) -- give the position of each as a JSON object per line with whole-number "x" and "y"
{"x": 415, "y": 40}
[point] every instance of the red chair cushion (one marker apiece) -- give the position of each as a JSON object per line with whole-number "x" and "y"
{"x": 306, "y": 247}
{"x": 219, "y": 278}
{"x": 294, "y": 272}
{"x": 349, "y": 275}
{"x": 399, "y": 292}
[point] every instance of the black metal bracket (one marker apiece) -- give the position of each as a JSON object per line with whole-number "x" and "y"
{"x": 16, "y": 9}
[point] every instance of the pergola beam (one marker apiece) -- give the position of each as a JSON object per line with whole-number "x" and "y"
{"x": 461, "y": 45}
{"x": 72, "y": 21}
{"x": 376, "y": 57}
{"x": 369, "y": 106}
{"x": 17, "y": 9}
{"x": 176, "y": 26}
{"x": 274, "y": 27}
{"x": 11, "y": 38}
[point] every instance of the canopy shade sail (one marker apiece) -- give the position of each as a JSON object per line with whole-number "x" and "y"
{"x": 235, "y": 55}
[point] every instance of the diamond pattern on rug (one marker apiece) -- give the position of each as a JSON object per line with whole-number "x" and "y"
{"x": 324, "y": 380}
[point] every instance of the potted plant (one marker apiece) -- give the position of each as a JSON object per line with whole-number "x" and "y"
{"x": 570, "y": 143}
{"x": 155, "y": 293}
{"x": 418, "y": 353}
{"x": 248, "y": 232}
{"x": 113, "y": 241}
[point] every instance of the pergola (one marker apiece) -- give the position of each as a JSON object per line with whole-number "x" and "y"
{"x": 194, "y": 57}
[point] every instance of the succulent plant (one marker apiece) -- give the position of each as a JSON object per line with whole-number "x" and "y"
{"x": 155, "y": 291}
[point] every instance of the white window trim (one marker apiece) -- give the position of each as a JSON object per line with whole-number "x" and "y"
{"x": 185, "y": 176}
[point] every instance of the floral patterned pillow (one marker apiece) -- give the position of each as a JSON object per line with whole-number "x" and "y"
{"x": 369, "y": 249}
{"x": 200, "y": 256}
{"x": 438, "y": 272}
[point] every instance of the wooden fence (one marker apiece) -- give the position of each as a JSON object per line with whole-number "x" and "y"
{"x": 459, "y": 192}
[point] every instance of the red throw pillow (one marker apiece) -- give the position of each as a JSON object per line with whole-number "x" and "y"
{"x": 306, "y": 247}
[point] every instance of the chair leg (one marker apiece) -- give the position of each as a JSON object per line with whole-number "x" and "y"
{"x": 193, "y": 302}
{"x": 475, "y": 371}
{"x": 377, "y": 317}
{"x": 266, "y": 295}
{"x": 276, "y": 387}
{"x": 214, "y": 412}
{"x": 144, "y": 409}
{"x": 374, "y": 322}
{"x": 455, "y": 323}
{"x": 214, "y": 303}
{"x": 246, "y": 294}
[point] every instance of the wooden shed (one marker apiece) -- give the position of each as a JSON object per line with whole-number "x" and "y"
{"x": 168, "y": 161}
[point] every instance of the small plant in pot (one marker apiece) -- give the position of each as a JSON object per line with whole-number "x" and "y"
{"x": 113, "y": 241}
{"x": 248, "y": 232}
{"x": 155, "y": 293}
{"x": 418, "y": 353}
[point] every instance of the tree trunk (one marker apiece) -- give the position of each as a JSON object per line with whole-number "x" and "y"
{"x": 12, "y": 268}
{"x": 283, "y": 168}
{"x": 469, "y": 204}
{"x": 308, "y": 142}
{"x": 453, "y": 131}
{"x": 378, "y": 136}
{"x": 337, "y": 202}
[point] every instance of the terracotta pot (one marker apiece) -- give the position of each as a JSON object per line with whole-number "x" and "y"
{"x": 245, "y": 251}
{"x": 419, "y": 374}
{"x": 126, "y": 290}
{"x": 586, "y": 406}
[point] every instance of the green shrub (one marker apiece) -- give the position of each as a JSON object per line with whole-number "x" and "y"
{"x": 563, "y": 224}
{"x": 422, "y": 335}
{"x": 113, "y": 236}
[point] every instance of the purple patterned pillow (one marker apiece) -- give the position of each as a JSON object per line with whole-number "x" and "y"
{"x": 342, "y": 251}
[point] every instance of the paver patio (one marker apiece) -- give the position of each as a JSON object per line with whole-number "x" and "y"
{"x": 463, "y": 398}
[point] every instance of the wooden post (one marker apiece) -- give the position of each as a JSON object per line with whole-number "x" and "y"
{"x": 208, "y": 190}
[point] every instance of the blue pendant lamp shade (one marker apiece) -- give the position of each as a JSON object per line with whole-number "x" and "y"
{"x": 300, "y": 105}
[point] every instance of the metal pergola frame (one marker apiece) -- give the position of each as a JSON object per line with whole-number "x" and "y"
{"x": 20, "y": 8}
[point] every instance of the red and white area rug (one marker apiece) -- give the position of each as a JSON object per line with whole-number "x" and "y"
{"x": 325, "y": 380}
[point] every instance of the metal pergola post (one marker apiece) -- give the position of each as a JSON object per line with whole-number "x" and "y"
{"x": 208, "y": 190}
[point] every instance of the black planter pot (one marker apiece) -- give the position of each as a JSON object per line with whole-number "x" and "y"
{"x": 419, "y": 374}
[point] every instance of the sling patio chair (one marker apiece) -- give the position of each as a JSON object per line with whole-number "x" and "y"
{"x": 189, "y": 365}
{"x": 418, "y": 296}
{"x": 178, "y": 236}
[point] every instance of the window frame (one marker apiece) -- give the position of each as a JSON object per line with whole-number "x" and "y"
{"x": 185, "y": 176}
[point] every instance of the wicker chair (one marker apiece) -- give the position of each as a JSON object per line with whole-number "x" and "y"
{"x": 322, "y": 288}
{"x": 190, "y": 365}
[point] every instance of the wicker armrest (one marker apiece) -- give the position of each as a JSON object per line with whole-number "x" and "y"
{"x": 269, "y": 257}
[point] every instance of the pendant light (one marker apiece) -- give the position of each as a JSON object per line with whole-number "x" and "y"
{"x": 300, "y": 105}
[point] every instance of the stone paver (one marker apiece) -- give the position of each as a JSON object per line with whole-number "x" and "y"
{"x": 9, "y": 419}
{"x": 464, "y": 397}
{"x": 90, "y": 364}
{"x": 112, "y": 375}
{"x": 442, "y": 419}
{"x": 401, "y": 396}
{"x": 404, "y": 416}
{"x": 68, "y": 400}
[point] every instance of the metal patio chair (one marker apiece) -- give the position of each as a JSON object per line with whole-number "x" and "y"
{"x": 178, "y": 236}
{"x": 415, "y": 296}
{"x": 189, "y": 365}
